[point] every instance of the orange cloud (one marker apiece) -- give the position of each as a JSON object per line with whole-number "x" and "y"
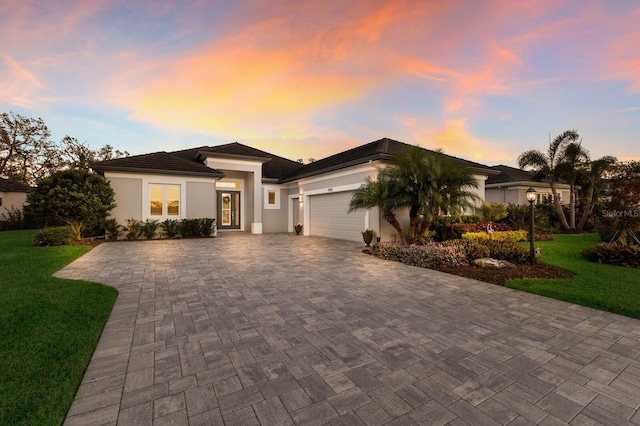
{"x": 454, "y": 138}
{"x": 268, "y": 76}
{"x": 20, "y": 84}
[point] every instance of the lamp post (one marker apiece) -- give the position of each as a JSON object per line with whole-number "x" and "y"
{"x": 531, "y": 197}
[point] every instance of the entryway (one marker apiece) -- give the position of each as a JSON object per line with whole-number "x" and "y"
{"x": 228, "y": 209}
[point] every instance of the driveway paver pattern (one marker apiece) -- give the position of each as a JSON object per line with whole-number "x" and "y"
{"x": 278, "y": 329}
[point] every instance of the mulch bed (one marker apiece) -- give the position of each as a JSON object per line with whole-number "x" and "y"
{"x": 501, "y": 275}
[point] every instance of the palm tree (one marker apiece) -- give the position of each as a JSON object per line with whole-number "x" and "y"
{"x": 574, "y": 157}
{"x": 382, "y": 192}
{"x": 548, "y": 165}
{"x": 591, "y": 182}
{"x": 425, "y": 182}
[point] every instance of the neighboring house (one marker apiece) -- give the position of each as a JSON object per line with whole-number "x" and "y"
{"x": 251, "y": 190}
{"x": 13, "y": 195}
{"x": 511, "y": 184}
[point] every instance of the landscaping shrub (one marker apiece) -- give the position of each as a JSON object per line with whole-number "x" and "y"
{"x": 492, "y": 212}
{"x": 607, "y": 228}
{"x": 477, "y": 250}
{"x": 112, "y": 229}
{"x": 190, "y": 228}
{"x": 541, "y": 236}
{"x": 133, "y": 230}
{"x": 452, "y": 230}
{"x": 56, "y": 236}
{"x": 506, "y": 250}
{"x": 171, "y": 228}
{"x": 13, "y": 220}
{"x": 150, "y": 229}
{"x": 207, "y": 226}
{"x": 513, "y": 236}
{"x": 429, "y": 255}
{"x": 614, "y": 254}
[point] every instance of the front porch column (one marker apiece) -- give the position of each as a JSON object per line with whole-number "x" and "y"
{"x": 256, "y": 225}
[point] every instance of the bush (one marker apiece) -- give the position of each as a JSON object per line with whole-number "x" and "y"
{"x": 541, "y": 236}
{"x": 207, "y": 226}
{"x": 57, "y": 236}
{"x": 607, "y": 228}
{"x": 190, "y": 228}
{"x": 76, "y": 197}
{"x": 171, "y": 228}
{"x": 429, "y": 255}
{"x": 477, "y": 250}
{"x": 450, "y": 229}
{"x": 513, "y": 236}
{"x": 506, "y": 250}
{"x": 112, "y": 229}
{"x": 133, "y": 230}
{"x": 150, "y": 229}
{"x": 13, "y": 220}
{"x": 492, "y": 212}
{"x": 614, "y": 254}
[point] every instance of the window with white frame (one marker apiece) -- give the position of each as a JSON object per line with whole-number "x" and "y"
{"x": 164, "y": 200}
{"x": 272, "y": 198}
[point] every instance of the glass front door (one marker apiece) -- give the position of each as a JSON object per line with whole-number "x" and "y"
{"x": 228, "y": 210}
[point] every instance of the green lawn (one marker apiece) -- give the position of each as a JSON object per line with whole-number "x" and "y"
{"x": 606, "y": 287}
{"x": 49, "y": 329}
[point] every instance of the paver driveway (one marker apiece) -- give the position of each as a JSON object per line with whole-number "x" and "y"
{"x": 279, "y": 329}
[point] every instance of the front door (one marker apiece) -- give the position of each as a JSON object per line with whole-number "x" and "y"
{"x": 228, "y": 210}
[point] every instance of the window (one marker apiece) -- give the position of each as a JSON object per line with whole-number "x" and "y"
{"x": 0, "y": 201}
{"x": 271, "y": 197}
{"x": 164, "y": 200}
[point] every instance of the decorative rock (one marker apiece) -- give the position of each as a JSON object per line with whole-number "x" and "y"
{"x": 487, "y": 262}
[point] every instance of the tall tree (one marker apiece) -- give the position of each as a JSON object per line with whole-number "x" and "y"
{"x": 27, "y": 153}
{"x": 591, "y": 180}
{"x": 574, "y": 157}
{"x": 77, "y": 155}
{"x": 549, "y": 166}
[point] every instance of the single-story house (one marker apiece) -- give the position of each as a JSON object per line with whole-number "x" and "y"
{"x": 13, "y": 195}
{"x": 247, "y": 189}
{"x": 510, "y": 186}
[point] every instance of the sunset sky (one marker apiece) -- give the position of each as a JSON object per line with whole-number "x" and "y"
{"x": 483, "y": 80}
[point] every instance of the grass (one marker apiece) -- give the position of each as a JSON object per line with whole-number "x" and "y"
{"x": 50, "y": 328}
{"x": 605, "y": 287}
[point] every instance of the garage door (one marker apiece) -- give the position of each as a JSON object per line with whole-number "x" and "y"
{"x": 329, "y": 217}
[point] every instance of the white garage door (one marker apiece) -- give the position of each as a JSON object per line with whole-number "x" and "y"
{"x": 329, "y": 217}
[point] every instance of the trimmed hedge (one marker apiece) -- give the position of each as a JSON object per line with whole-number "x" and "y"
{"x": 171, "y": 228}
{"x": 428, "y": 255}
{"x": 501, "y": 250}
{"x": 614, "y": 254}
{"x": 54, "y": 236}
{"x": 512, "y": 236}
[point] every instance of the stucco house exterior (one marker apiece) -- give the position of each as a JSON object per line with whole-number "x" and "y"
{"x": 510, "y": 185}
{"x": 247, "y": 189}
{"x": 13, "y": 195}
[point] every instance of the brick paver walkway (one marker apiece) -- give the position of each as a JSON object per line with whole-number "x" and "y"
{"x": 279, "y": 330}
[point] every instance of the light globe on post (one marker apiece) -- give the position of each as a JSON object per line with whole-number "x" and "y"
{"x": 531, "y": 197}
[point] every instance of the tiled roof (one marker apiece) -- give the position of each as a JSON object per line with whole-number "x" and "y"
{"x": 7, "y": 185}
{"x": 156, "y": 162}
{"x": 383, "y": 149}
{"x": 511, "y": 174}
{"x": 274, "y": 167}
